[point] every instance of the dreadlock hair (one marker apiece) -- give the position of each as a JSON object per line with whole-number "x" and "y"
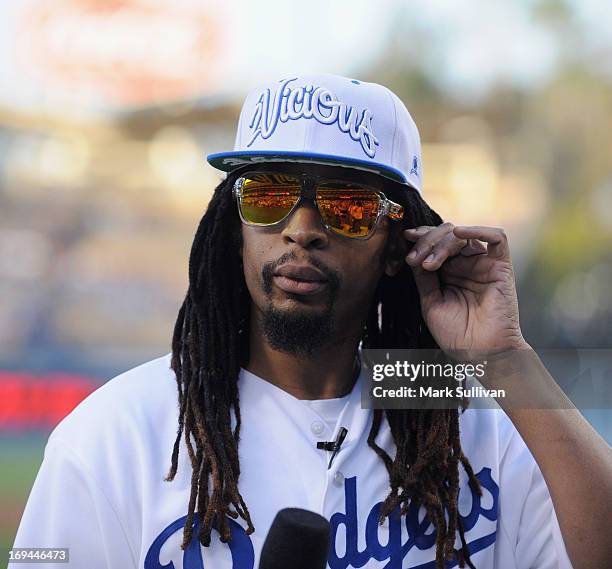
{"x": 210, "y": 344}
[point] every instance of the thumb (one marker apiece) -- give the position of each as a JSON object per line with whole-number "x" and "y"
{"x": 428, "y": 285}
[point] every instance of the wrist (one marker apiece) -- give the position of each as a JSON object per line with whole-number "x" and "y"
{"x": 525, "y": 380}
{"x": 512, "y": 343}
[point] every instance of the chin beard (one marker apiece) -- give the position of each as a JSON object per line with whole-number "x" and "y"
{"x": 298, "y": 332}
{"x": 295, "y": 332}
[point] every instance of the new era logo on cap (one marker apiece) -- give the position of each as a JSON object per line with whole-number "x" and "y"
{"x": 327, "y": 119}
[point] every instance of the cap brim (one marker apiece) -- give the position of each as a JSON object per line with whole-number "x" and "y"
{"x": 228, "y": 161}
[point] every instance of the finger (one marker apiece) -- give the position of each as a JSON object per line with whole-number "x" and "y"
{"x": 475, "y": 267}
{"x": 448, "y": 246}
{"x": 473, "y": 247}
{"x": 426, "y": 242}
{"x": 495, "y": 237}
{"x": 428, "y": 285}
{"x": 413, "y": 233}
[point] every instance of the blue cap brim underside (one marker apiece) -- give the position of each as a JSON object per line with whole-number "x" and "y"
{"x": 228, "y": 161}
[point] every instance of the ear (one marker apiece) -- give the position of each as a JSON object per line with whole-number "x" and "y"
{"x": 397, "y": 249}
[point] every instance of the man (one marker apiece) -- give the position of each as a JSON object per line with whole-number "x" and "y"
{"x": 356, "y": 214}
{"x": 265, "y": 358}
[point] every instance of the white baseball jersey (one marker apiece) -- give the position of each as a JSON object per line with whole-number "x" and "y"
{"x": 101, "y": 492}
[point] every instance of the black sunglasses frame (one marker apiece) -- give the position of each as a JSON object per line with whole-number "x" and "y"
{"x": 309, "y": 184}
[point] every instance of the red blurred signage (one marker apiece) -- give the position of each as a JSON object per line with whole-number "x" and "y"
{"x": 39, "y": 402}
{"x": 124, "y": 52}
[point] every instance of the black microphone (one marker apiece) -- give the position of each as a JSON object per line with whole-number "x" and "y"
{"x": 334, "y": 446}
{"x": 298, "y": 539}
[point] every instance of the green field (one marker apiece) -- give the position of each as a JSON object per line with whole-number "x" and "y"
{"x": 20, "y": 459}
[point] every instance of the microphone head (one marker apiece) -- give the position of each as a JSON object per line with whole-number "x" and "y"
{"x": 298, "y": 539}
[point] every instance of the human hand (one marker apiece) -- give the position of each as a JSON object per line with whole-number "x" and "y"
{"x": 465, "y": 280}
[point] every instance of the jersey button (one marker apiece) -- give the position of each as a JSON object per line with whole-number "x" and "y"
{"x": 339, "y": 479}
{"x": 317, "y": 428}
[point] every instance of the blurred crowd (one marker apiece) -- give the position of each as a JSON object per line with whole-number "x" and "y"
{"x": 97, "y": 211}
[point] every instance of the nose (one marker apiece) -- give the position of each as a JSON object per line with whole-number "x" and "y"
{"x": 305, "y": 227}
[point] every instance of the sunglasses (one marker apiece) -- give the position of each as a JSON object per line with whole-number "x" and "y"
{"x": 348, "y": 208}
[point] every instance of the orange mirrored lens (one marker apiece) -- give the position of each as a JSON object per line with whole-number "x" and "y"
{"x": 268, "y": 198}
{"x": 348, "y": 210}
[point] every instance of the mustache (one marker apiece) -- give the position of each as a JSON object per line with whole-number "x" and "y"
{"x": 270, "y": 267}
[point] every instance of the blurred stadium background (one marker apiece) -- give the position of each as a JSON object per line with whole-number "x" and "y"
{"x": 107, "y": 108}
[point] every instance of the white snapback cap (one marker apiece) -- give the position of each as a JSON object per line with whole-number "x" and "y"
{"x": 331, "y": 120}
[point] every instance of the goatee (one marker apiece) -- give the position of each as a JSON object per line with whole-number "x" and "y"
{"x": 299, "y": 332}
